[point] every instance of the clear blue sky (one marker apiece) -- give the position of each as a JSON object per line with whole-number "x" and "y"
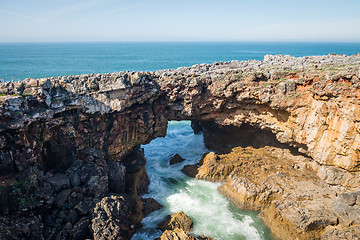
{"x": 181, "y": 20}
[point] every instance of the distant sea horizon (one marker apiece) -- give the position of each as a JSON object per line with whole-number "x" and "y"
{"x": 20, "y": 60}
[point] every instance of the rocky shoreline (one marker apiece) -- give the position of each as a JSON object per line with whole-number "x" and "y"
{"x": 70, "y": 162}
{"x": 292, "y": 200}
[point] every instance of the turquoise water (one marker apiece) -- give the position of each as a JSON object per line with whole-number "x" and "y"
{"x": 213, "y": 215}
{"x": 35, "y": 60}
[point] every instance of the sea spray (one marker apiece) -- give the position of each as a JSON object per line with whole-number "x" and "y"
{"x": 213, "y": 215}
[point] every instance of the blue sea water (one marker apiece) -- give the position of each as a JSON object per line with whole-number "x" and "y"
{"x": 35, "y": 60}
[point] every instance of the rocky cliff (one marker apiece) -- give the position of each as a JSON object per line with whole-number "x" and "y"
{"x": 309, "y": 105}
{"x": 66, "y": 143}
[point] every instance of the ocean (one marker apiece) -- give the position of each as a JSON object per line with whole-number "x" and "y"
{"x": 35, "y": 60}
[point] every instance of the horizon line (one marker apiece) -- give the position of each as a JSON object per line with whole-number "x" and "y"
{"x": 185, "y": 41}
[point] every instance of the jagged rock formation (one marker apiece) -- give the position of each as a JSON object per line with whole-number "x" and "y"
{"x": 62, "y": 204}
{"x": 48, "y": 120}
{"x": 310, "y": 104}
{"x": 48, "y": 127}
{"x": 293, "y": 201}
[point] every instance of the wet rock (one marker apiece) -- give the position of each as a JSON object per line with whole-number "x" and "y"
{"x": 196, "y": 127}
{"x": 97, "y": 185}
{"x": 68, "y": 226}
{"x": 190, "y": 170}
{"x": 176, "y": 159}
{"x": 150, "y": 205}
{"x": 177, "y": 220}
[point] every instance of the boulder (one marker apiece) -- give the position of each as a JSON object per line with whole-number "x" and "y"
{"x": 179, "y": 234}
{"x": 150, "y": 205}
{"x": 190, "y": 170}
{"x": 176, "y": 234}
{"x": 176, "y": 220}
{"x": 176, "y": 159}
{"x": 112, "y": 219}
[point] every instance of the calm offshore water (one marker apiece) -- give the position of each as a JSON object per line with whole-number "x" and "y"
{"x": 35, "y": 60}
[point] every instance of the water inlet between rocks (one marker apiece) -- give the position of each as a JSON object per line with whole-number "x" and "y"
{"x": 213, "y": 215}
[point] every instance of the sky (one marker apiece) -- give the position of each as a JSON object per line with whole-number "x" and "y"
{"x": 179, "y": 20}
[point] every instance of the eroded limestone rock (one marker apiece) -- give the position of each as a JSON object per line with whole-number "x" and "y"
{"x": 177, "y": 227}
{"x": 294, "y": 202}
{"x": 177, "y": 220}
{"x": 112, "y": 218}
{"x": 303, "y": 105}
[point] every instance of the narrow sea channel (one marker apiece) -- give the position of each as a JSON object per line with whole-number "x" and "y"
{"x": 213, "y": 215}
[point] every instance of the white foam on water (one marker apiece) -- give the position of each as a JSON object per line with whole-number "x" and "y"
{"x": 200, "y": 200}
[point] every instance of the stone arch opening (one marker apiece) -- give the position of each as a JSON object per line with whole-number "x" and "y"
{"x": 223, "y": 138}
